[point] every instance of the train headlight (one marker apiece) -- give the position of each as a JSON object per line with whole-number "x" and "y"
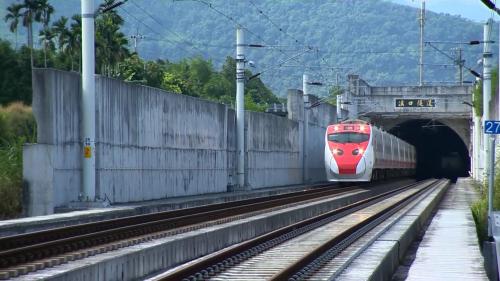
{"x": 358, "y": 151}
{"x": 336, "y": 128}
{"x": 362, "y": 128}
{"x": 338, "y": 151}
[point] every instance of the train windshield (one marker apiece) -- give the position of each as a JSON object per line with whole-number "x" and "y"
{"x": 348, "y": 137}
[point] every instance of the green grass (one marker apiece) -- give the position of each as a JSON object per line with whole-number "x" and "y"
{"x": 11, "y": 179}
{"x": 17, "y": 126}
{"x": 479, "y": 208}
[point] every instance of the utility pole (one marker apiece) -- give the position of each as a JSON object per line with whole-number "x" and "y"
{"x": 486, "y": 89}
{"x": 460, "y": 63}
{"x": 88, "y": 100}
{"x": 240, "y": 105}
{"x": 421, "y": 59}
{"x": 305, "y": 96}
{"x": 476, "y": 144}
{"x": 136, "y": 37}
{"x": 338, "y": 99}
{"x": 339, "y": 108}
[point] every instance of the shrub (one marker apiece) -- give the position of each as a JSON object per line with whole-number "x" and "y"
{"x": 479, "y": 208}
{"x": 17, "y": 126}
{"x": 11, "y": 179}
{"x": 16, "y": 120}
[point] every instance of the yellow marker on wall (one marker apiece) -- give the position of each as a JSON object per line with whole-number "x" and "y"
{"x": 87, "y": 151}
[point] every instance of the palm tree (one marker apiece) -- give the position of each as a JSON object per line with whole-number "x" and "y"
{"x": 46, "y": 37}
{"x": 61, "y": 33}
{"x": 35, "y": 11}
{"x": 111, "y": 44}
{"x": 13, "y": 15}
{"x": 75, "y": 40}
{"x": 46, "y": 11}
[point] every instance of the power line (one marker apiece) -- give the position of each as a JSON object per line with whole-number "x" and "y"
{"x": 284, "y": 32}
{"x": 230, "y": 18}
{"x": 151, "y": 29}
{"x": 277, "y": 26}
{"x": 170, "y": 31}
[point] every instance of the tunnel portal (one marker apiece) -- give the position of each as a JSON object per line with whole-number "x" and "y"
{"x": 440, "y": 151}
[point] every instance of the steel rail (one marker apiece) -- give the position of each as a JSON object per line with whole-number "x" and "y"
{"x": 311, "y": 261}
{"x": 20, "y": 249}
{"x": 205, "y": 267}
{"x": 20, "y": 240}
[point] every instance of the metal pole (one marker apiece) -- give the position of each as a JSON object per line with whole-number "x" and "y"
{"x": 486, "y": 88}
{"x": 305, "y": 80}
{"x": 240, "y": 105}
{"x": 339, "y": 100}
{"x": 339, "y": 109}
{"x": 491, "y": 181}
{"x": 476, "y": 145}
{"x": 88, "y": 100}
{"x": 421, "y": 59}
{"x": 460, "y": 67}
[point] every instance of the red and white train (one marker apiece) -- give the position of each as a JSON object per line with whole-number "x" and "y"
{"x": 356, "y": 151}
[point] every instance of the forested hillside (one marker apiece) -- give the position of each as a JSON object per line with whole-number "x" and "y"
{"x": 374, "y": 38}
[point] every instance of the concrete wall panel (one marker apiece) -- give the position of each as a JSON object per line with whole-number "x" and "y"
{"x": 151, "y": 144}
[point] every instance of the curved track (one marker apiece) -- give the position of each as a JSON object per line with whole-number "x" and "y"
{"x": 297, "y": 251}
{"x": 20, "y": 254}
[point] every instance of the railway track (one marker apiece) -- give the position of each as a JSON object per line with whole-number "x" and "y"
{"x": 297, "y": 251}
{"x": 21, "y": 254}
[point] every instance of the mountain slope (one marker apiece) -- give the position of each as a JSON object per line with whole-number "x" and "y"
{"x": 374, "y": 38}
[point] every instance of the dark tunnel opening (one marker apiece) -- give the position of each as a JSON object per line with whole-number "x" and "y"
{"x": 441, "y": 153}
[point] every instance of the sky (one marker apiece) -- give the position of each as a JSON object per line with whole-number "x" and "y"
{"x": 470, "y": 9}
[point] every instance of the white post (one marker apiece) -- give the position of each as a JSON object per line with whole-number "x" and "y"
{"x": 240, "y": 106}
{"x": 339, "y": 108}
{"x": 486, "y": 90}
{"x": 305, "y": 80}
{"x": 88, "y": 100}
{"x": 491, "y": 180}
{"x": 477, "y": 148}
{"x": 421, "y": 57}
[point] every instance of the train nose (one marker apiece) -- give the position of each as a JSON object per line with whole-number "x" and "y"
{"x": 334, "y": 168}
{"x": 361, "y": 168}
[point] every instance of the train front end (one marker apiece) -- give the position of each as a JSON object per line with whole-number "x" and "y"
{"x": 348, "y": 152}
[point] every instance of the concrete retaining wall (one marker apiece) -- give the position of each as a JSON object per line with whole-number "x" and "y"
{"x": 151, "y": 144}
{"x": 273, "y": 145}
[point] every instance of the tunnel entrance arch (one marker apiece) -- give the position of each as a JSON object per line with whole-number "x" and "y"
{"x": 441, "y": 151}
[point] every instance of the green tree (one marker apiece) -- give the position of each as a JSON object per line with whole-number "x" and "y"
{"x": 46, "y": 11}
{"x": 173, "y": 83}
{"x": 34, "y": 11}
{"x": 75, "y": 41}
{"x": 111, "y": 43}
{"x": 13, "y": 15}
{"x": 217, "y": 87}
{"x": 61, "y": 33}
{"x": 46, "y": 38}
{"x": 15, "y": 74}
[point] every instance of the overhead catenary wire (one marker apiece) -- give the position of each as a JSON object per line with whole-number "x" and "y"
{"x": 280, "y": 29}
{"x": 181, "y": 38}
{"x": 262, "y": 42}
{"x": 176, "y": 44}
{"x": 277, "y": 26}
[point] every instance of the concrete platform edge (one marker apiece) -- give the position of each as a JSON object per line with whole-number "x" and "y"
{"x": 396, "y": 254}
{"x": 38, "y": 223}
{"x": 139, "y": 261}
